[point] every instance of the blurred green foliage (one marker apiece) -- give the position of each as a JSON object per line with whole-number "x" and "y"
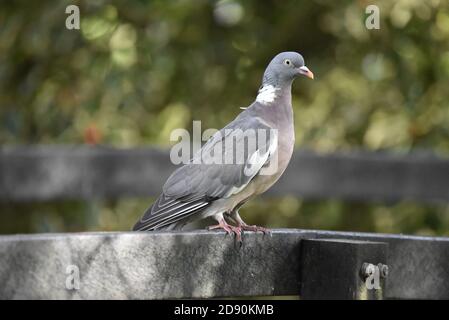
{"x": 138, "y": 69}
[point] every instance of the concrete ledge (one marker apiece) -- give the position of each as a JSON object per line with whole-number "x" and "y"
{"x": 198, "y": 264}
{"x": 147, "y": 265}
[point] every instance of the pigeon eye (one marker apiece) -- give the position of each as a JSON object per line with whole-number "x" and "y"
{"x": 287, "y": 62}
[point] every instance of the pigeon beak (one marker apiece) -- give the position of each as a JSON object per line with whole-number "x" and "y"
{"x": 306, "y": 72}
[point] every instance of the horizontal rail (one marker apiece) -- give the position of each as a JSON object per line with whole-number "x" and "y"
{"x": 80, "y": 172}
{"x": 199, "y": 264}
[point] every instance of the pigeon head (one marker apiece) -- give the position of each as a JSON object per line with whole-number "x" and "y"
{"x": 284, "y": 68}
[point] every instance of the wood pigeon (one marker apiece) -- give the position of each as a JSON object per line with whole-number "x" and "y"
{"x": 205, "y": 187}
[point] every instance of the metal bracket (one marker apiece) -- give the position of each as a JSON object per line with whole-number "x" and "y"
{"x": 343, "y": 269}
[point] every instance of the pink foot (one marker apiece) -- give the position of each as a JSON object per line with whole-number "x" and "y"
{"x": 229, "y": 229}
{"x": 247, "y": 227}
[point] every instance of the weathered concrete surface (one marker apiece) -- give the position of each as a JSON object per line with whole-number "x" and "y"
{"x": 198, "y": 264}
{"x": 147, "y": 265}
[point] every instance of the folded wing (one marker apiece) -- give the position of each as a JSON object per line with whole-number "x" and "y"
{"x": 223, "y": 167}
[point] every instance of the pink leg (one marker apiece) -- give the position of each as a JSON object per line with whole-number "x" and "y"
{"x": 228, "y": 228}
{"x": 244, "y": 226}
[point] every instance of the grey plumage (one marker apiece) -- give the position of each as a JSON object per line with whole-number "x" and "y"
{"x": 207, "y": 187}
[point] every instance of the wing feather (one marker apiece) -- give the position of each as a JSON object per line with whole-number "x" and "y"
{"x": 161, "y": 214}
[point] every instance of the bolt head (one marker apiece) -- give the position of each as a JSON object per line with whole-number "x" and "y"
{"x": 384, "y": 270}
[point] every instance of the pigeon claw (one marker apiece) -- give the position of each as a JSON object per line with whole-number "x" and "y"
{"x": 229, "y": 229}
{"x": 254, "y": 228}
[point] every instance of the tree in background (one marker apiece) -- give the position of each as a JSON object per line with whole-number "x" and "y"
{"x": 136, "y": 70}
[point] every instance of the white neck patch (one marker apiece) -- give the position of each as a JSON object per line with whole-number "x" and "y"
{"x": 267, "y": 94}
